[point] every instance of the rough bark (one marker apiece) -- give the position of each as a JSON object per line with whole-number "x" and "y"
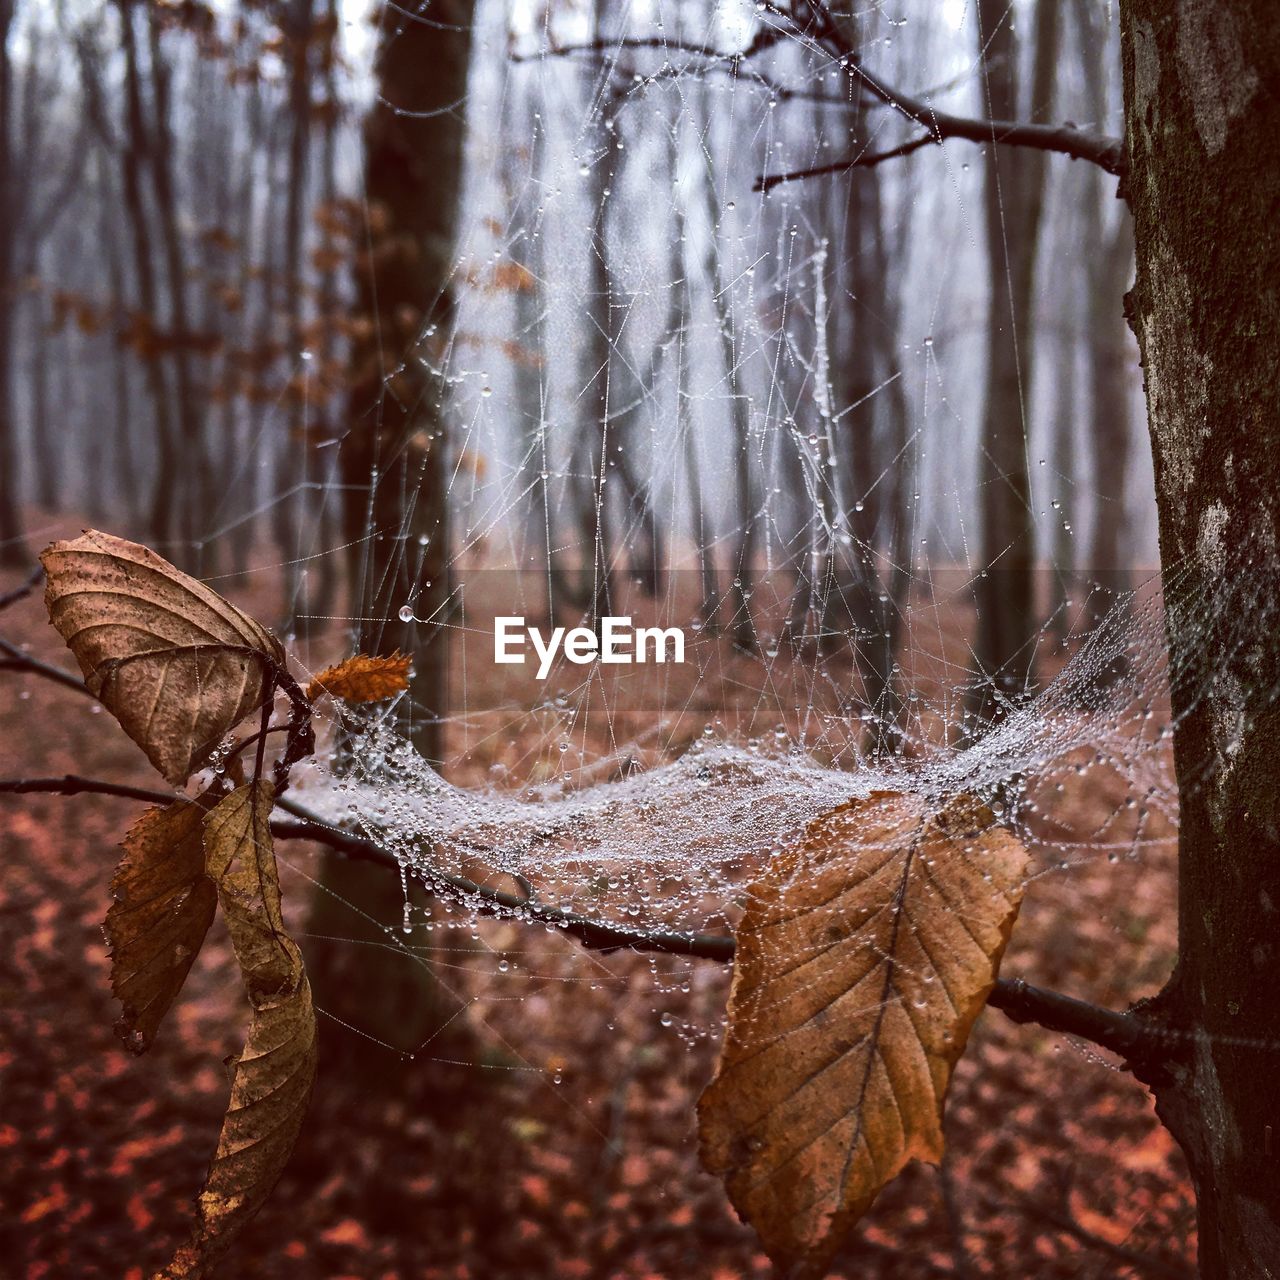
{"x": 1202, "y": 118}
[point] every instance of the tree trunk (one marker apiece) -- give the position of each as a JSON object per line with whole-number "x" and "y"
{"x": 289, "y": 512}
{"x": 1202, "y": 119}
{"x": 13, "y": 550}
{"x": 395, "y": 457}
{"x": 395, "y": 467}
{"x": 133, "y": 156}
{"x": 522, "y": 188}
{"x": 1111, "y": 355}
{"x": 194, "y": 492}
{"x": 44, "y": 437}
{"x": 588, "y": 467}
{"x": 1004, "y": 645}
{"x": 1110, "y": 361}
{"x": 322, "y": 593}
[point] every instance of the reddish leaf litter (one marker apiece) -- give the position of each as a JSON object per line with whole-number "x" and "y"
{"x": 548, "y": 1129}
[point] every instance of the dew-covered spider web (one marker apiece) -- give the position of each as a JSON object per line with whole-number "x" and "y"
{"x": 677, "y": 390}
{"x": 725, "y": 342}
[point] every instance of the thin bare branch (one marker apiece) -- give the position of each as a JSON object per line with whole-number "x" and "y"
{"x": 865, "y": 160}
{"x": 813, "y": 20}
{"x": 734, "y": 64}
{"x": 1134, "y": 1038}
{"x": 20, "y": 661}
{"x": 72, "y": 784}
{"x": 22, "y": 591}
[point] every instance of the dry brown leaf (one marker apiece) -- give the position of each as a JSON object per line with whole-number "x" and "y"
{"x": 241, "y": 861}
{"x": 863, "y": 958}
{"x": 275, "y": 1072}
{"x": 175, "y": 664}
{"x": 363, "y": 678}
{"x": 163, "y": 904}
{"x": 269, "y": 1094}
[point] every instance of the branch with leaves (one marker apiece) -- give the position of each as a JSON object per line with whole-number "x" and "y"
{"x": 890, "y": 916}
{"x": 1135, "y": 1038}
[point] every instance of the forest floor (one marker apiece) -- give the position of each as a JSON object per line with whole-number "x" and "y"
{"x": 550, "y": 1131}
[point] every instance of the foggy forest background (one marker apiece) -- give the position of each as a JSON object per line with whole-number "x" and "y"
{"x": 847, "y": 381}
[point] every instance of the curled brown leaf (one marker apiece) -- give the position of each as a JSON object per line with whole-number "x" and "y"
{"x": 273, "y": 1075}
{"x": 175, "y": 663}
{"x": 162, "y": 905}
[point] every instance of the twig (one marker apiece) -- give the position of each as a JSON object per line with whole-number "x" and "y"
{"x": 72, "y": 784}
{"x": 1081, "y": 144}
{"x": 1133, "y": 1257}
{"x": 1134, "y": 1038}
{"x": 867, "y": 160}
{"x": 19, "y": 661}
{"x": 962, "y": 1264}
{"x": 34, "y": 578}
{"x": 300, "y": 741}
{"x": 733, "y": 63}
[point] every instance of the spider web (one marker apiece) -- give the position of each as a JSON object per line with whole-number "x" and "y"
{"x": 650, "y": 796}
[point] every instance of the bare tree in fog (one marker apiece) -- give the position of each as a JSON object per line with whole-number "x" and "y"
{"x": 1007, "y": 619}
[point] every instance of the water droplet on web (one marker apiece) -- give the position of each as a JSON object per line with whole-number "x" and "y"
{"x": 406, "y": 613}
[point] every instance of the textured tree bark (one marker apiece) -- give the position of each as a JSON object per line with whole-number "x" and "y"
{"x": 1202, "y": 119}
{"x": 1006, "y": 607}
